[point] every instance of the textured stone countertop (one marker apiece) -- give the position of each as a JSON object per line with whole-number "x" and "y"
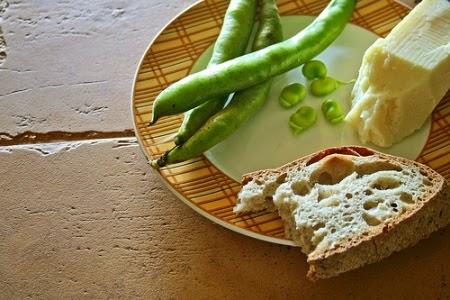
{"x": 83, "y": 217}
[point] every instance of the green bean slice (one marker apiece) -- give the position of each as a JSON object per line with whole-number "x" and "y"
{"x": 292, "y": 94}
{"x": 332, "y": 111}
{"x": 302, "y": 119}
{"x": 314, "y": 69}
{"x": 325, "y": 86}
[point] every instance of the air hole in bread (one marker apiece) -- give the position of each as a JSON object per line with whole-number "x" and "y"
{"x": 362, "y": 151}
{"x": 348, "y": 196}
{"x": 329, "y": 202}
{"x": 406, "y": 198}
{"x": 427, "y": 182}
{"x": 351, "y": 151}
{"x": 269, "y": 198}
{"x": 333, "y": 170}
{"x": 393, "y": 204}
{"x": 370, "y": 220}
{"x": 333, "y": 230}
{"x": 348, "y": 218}
{"x": 301, "y": 188}
{"x": 368, "y": 192}
{"x": 370, "y": 204}
{"x": 280, "y": 179}
{"x": 319, "y": 225}
{"x": 259, "y": 182}
{"x": 385, "y": 183}
{"x": 325, "y": 178}
{"x": 374, "y": 167}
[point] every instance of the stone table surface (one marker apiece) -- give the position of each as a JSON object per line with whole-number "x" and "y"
{"x": 82, "y": 215}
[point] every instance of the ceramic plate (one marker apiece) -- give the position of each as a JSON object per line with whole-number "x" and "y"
{"x": 210, "y": 183}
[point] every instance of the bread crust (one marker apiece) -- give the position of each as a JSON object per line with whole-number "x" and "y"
{"x": 382, "y": 240}
{"x": 307, "y": 160}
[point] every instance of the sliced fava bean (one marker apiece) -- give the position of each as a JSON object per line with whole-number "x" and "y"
{"x": 314, "y": 69}
{"x": 322, "y": 87}
{"x": 325, "y": 86}
{"x": 332, "y": 111}
{"x": 302, "y": 119}
{"x": 292, "y": 94}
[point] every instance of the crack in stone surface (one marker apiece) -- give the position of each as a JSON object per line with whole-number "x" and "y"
{"x": 2, "y": 47}
{"x": 3, "y": 6}
{"x": 30, "y": 137}
{"x": 50, "y": 86}
{"x": 51, "y": 148}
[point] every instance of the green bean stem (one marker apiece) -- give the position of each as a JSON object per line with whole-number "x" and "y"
{"x": 257, "y": 67}
{"x": 231, "y": 42}
{"x": 243, "y": 105}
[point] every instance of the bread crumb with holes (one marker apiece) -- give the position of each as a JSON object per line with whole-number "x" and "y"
{"x": 342, "y": 200}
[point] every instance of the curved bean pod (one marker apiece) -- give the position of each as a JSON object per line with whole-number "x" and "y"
{"x": 257, "y": 67}
{"x": 243, "y": 105}
{"x": 231, "y": 42}
{"x": 196, "y": 117}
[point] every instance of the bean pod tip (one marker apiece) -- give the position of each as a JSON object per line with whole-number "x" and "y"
{"x": 159, "y": 162}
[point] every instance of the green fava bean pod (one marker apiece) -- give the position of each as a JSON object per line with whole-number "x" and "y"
{"x": 332, "y": 111}
{"x": 257, "y": 67}
{"x": 231, "y": 42}
{"x": 314, "y": 69}
{"x": 302, "y": 119}
{"x": 243, "y": 105}
{"x": 292, "y": 94}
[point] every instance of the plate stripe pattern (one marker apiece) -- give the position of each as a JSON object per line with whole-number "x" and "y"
{"x": 171, "y": 56}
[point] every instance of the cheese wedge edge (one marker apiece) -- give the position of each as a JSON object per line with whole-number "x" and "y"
{"x": 403, "y": 76}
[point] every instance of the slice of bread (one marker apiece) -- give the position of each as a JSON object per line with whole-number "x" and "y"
{"x": 350, "y": 206}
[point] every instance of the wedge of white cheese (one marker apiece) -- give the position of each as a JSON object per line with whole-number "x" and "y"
{"x": 403, "y": 76}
